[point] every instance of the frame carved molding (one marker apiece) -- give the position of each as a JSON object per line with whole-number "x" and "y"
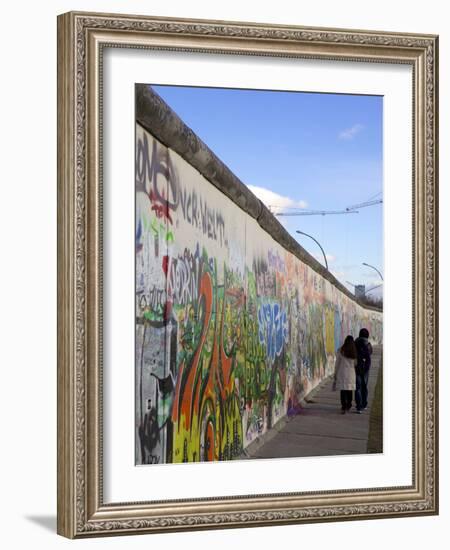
{"x": 81, "y": 511}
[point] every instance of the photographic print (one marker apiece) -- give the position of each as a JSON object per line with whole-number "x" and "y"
{"x": 259, "y": 274}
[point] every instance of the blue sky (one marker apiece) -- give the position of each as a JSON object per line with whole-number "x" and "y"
{"x": 314, "y": 151}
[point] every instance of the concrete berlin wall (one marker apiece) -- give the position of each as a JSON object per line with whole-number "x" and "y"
{"x": 235, "y": 322}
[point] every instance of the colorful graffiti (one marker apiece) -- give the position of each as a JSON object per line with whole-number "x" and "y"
{"x": 231, "y": 329}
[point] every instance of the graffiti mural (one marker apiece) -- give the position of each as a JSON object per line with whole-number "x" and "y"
{"x": 231, "y": 329}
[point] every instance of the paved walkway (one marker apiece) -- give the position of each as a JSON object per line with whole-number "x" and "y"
{"x": 320, "y": 429}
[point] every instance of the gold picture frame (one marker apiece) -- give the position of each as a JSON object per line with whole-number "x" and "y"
{"x": 81, "y": 40}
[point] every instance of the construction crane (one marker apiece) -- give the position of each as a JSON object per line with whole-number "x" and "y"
{"x": 316, "y": 212}
{"x": 364, "y": 204}
{"x": 348, "y": 210}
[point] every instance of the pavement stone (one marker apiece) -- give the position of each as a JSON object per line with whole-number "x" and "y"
{"x": 320, "y": 429}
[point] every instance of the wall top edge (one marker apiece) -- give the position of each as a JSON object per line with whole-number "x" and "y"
{"x": 155, "y": 115}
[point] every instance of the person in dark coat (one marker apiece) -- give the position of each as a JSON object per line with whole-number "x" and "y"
{"x": 364, "y": 351}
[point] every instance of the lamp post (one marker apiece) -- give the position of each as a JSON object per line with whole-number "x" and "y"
{"x": 368, "y": 265}
{"x": 316, "y": 241}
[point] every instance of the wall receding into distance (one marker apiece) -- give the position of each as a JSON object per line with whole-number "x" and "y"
{"x": 232, "y": 329}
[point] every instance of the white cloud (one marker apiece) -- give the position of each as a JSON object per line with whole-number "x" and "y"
{"x": 330, "y": 258}
{"x": 274, "y": 201}
{"x": 350, "y": 133}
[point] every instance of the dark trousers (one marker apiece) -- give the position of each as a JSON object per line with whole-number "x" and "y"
{"x": 362, "y": 379}
{"x": 346, "y": 399}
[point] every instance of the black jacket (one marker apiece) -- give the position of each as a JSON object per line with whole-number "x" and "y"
{"x": 364, "y": 350}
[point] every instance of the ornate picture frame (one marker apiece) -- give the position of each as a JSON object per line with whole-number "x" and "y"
{"x": 82, "y": 39}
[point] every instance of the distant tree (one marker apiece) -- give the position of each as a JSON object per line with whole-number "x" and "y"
{"x": 374, "y": 301}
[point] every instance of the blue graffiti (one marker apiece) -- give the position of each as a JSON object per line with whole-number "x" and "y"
{"x": 273, "y": 329}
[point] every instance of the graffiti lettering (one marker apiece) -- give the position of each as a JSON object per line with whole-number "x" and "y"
{"x": 162, "y": 191}
{"x": 273, "y": 329}
{"x": 157, "y": 176}
{"x": 197, "y": 212}
{"x": 183, "y": 278}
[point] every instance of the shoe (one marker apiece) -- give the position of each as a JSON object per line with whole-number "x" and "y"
{"x": 343, "y": 411}
{"x": 358, "y": 411}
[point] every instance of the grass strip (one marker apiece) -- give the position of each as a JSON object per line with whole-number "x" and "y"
{"x": 375, "y": 441}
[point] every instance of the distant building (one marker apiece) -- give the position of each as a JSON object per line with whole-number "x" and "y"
{"x": 360, "y": 291}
